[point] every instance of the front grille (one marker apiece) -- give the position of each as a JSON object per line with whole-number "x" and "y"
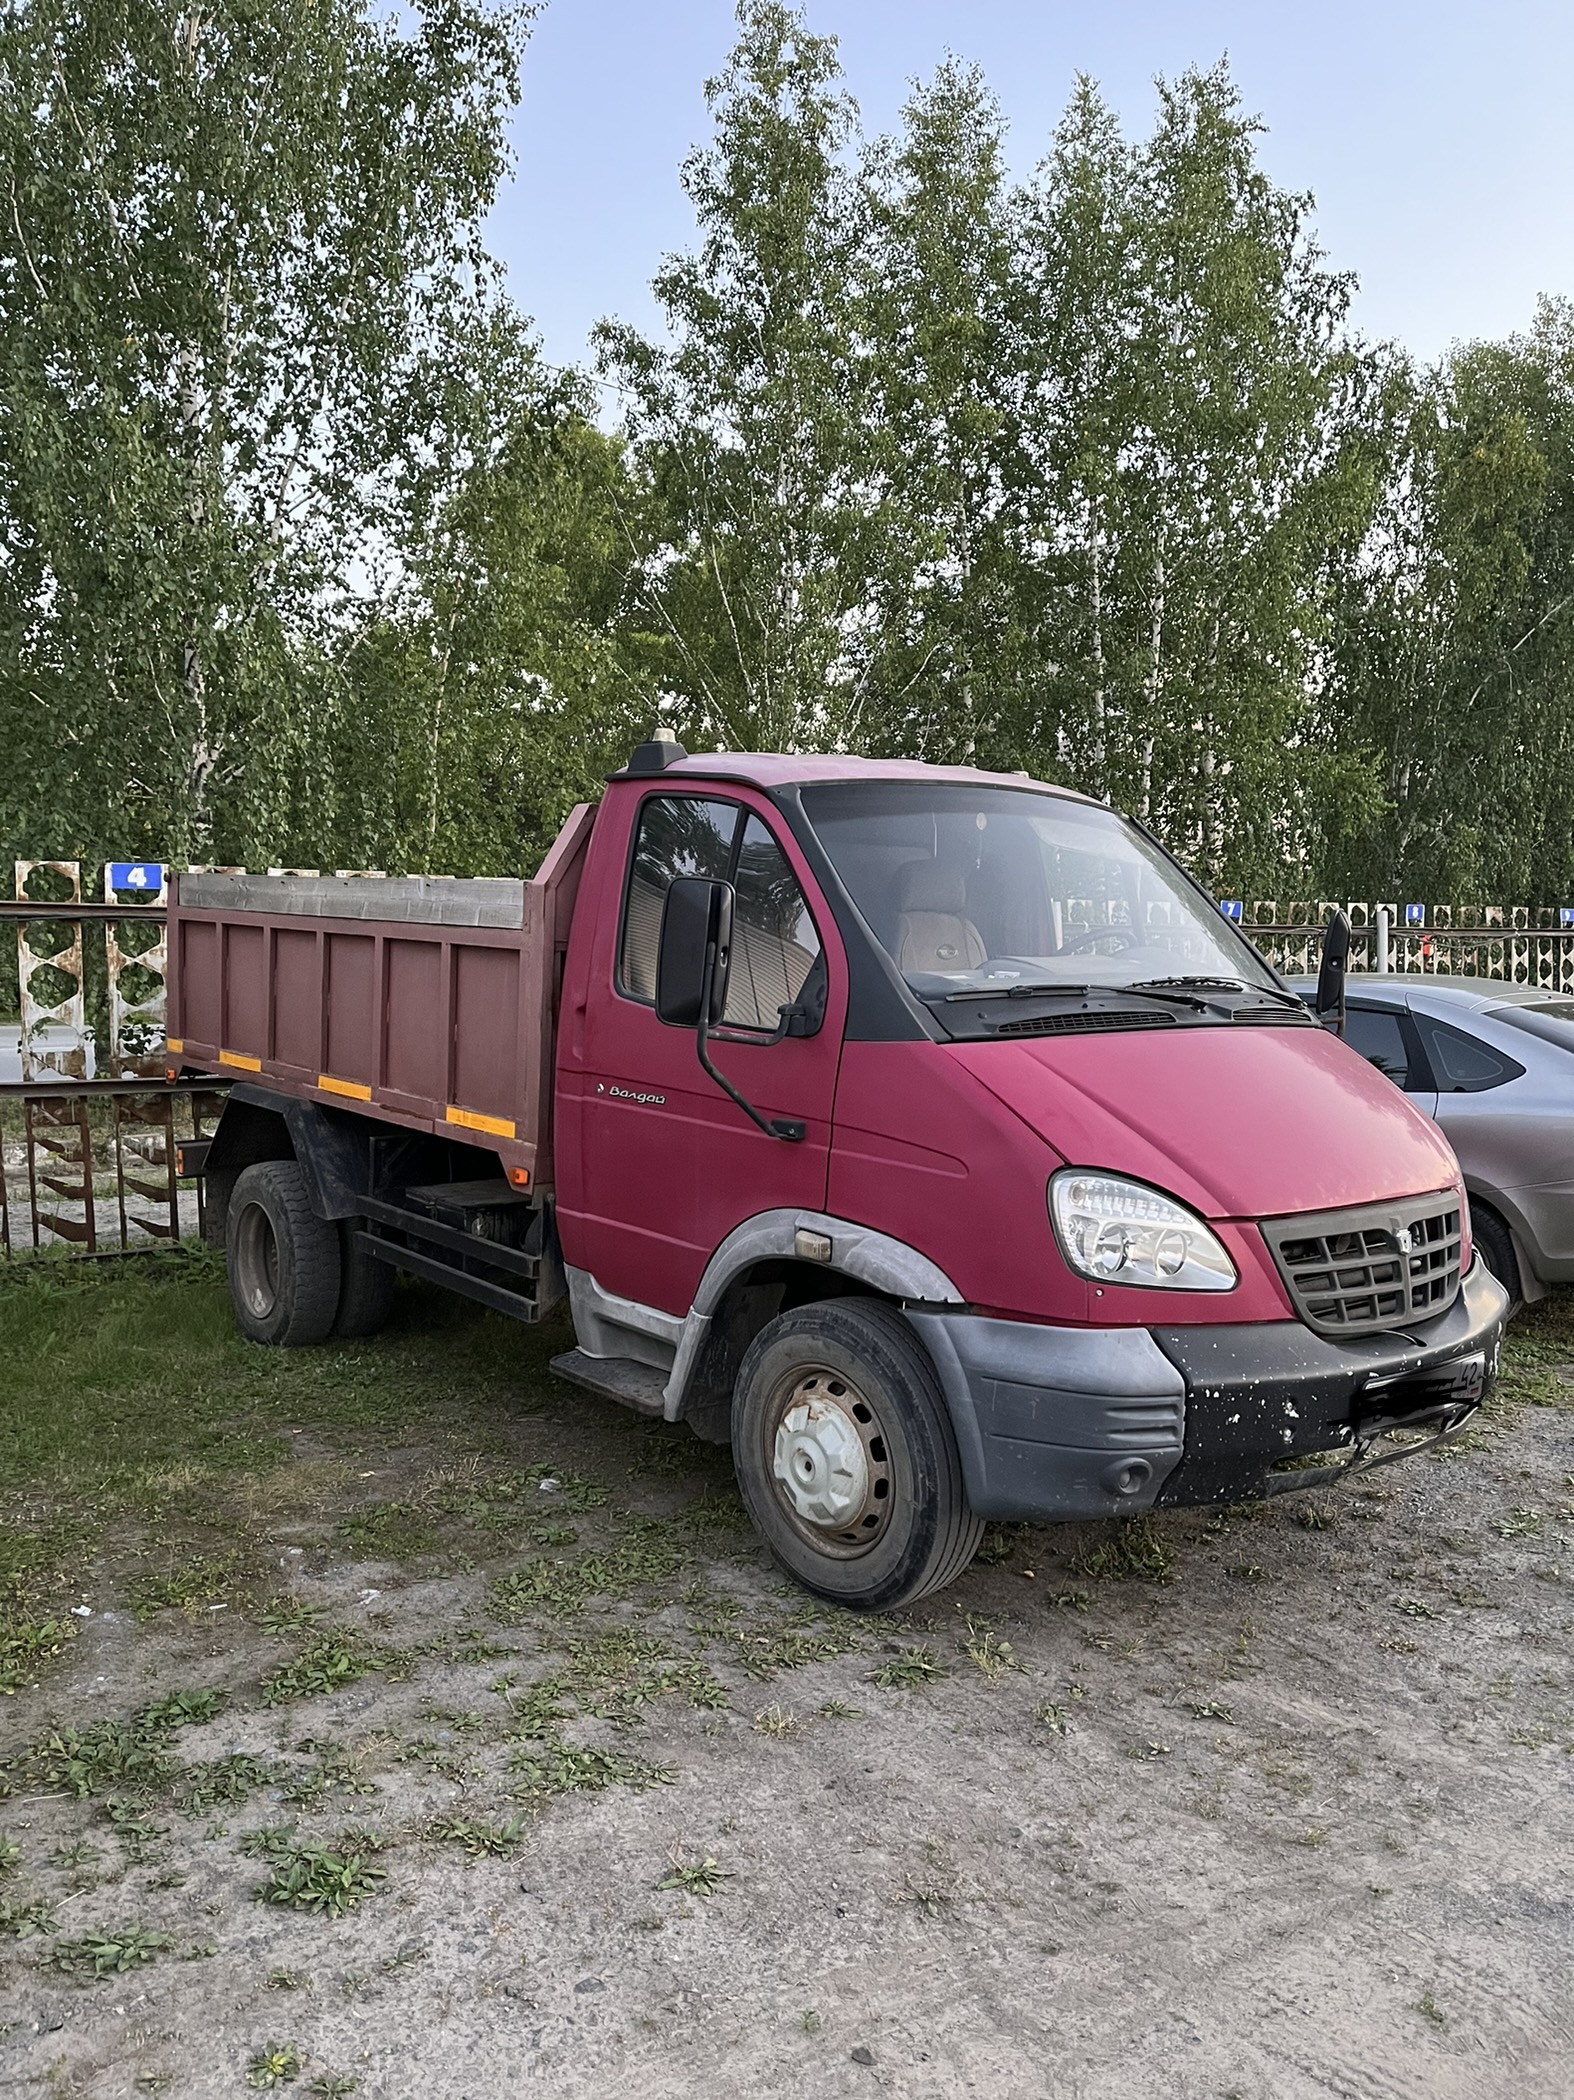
{"x": 1081, "y": 1024}
{"x": 1360, "y": 1271}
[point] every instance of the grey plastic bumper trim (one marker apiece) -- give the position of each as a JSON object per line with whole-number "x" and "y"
{"x": 1057, "y": 1422}
{"x": 885, "y": 1264}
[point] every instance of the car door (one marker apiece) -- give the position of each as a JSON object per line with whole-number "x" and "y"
{"x": 1386, "y": 1037}
{"x": 1475, "y": 1103}
{"x": 669, "y": 1165}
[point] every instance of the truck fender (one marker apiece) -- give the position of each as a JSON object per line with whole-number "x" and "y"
{"x": 330, "y": 1146}
{"x": 872, "y": 1258}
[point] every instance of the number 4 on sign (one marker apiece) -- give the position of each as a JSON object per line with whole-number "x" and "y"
{"x": 143, "y": 878}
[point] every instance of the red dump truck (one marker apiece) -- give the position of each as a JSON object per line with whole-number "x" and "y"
{"x": 924, "y": 1133}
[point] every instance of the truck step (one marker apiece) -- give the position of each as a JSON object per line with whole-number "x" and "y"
{"x": 618, "y": 1378}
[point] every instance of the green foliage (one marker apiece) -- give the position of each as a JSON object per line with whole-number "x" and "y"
{"x": 24, "y": 1920}
{"x": 266, "y": 415}
{"x": 695, "y": 1877}
{"x": 227, "y": 1782}
{"x": 310, "y": 558}
{"x": 201, "y": 1579}
{"x": 1455, "y": 657}
{"x": 647, "y": 1553}
{"x": 556, "y": 1767}
{"x": 482, "y": 1840}
{"x": 327, "y": 1881}
{"x": 99, "y": 1954}
{"x": 911, "y": 1668}
{"x": 1136, "y": 1549}
{"x": 328, "y": 1665}
{"x": 275, "y": 2064}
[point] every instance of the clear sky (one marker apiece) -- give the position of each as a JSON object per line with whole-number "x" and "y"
{"x": 1437, "y": 138}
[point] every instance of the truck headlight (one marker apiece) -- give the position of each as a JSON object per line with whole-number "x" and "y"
{"x": 1116, "y": 1231}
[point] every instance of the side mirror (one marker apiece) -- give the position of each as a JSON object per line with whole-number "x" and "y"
{"x": 696, "y": 925}
{"x": 1330, "y": 975}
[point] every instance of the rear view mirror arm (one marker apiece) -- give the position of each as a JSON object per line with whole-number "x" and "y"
{"x": 788, "y": 1128}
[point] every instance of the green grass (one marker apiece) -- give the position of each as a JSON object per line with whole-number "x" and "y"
{"x": 910, "y": 1669}
{"x": 127, "y": 1384}
{"x": 1135, "y": 1550}
{"x": 1541, "y": 1338}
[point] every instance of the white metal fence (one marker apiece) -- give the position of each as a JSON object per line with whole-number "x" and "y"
{"x": 77, "y": 951}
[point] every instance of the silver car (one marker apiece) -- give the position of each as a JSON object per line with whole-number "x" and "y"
{"x": 1493, "y": 1063}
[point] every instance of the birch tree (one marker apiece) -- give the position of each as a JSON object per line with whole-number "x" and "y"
{"x": 749, "y": 431}
{"x": 240, "y": 262}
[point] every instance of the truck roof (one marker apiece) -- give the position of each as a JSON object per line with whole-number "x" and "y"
{"x": 772, "y": 769}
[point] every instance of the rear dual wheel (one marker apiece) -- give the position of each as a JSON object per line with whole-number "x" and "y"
{"x": 846, "y": 1458}
{"x": 295, "y": 1278}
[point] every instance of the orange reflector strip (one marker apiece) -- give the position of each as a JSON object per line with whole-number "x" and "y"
{"x": 175, "y": 1045}
{"x": 520, "y": 1177}
{"x": 241, "y": 1064}
{"x": 494, "y": 1126}
{"x": 351, "y": 1089}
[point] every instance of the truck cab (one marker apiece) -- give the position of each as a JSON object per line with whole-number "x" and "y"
{"x": 928, "y": 1135}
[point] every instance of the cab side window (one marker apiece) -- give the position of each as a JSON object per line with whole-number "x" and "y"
{"x": 775, "y": 947}
{"x": 1379, "y": 1037}
{"x": 774, "y": 944}
{"x": 677, "y": 835}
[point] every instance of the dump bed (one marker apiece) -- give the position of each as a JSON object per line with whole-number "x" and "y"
{"x": 416, "y": 1000}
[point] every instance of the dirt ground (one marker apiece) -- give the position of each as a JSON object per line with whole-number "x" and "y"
{"x": 1267, "y": 1803}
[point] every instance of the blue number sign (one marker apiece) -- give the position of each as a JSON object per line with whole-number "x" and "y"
{"x": 1415, "y": 914}
{"x": 139, "y": 876}
{"x": 1231, "y": 907}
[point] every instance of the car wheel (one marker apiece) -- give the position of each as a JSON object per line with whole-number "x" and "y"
{"x": 1495, "y": 1244}
{"x": 283, "y": 1258}
{"x": 846, "y": 1458}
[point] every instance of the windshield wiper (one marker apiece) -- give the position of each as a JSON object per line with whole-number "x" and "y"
{"x": 1082, "y": 991}
{"x": 1023, "y": 991}
{"x": 1226, "y": 984}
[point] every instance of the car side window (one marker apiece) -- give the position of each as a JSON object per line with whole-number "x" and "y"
{"x": 1379, "y": 1037}
{"x": 774, "y": 942}
{"x": 1463, "y": 1064}
{"x": 677, "y": 835}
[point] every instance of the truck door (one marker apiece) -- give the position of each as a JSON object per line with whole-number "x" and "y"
{"x": 668, "y": 1165}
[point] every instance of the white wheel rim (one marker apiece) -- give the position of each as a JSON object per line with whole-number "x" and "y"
{"x": 830, "y": 1462}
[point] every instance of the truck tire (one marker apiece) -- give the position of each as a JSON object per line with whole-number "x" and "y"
{"x": 366, "y": 1287}
{"x": 283, "y": 1258}
{"x": 846, "y": 1458}
{"x": 1495, "y": 1245}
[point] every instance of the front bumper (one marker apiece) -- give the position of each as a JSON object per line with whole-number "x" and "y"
{"x": 1060, "y": 1422}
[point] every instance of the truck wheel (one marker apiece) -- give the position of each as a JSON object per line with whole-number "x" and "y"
{"x": 366, "y": 1287}
{"x": 846, "y": 1457}
{"x": 1495, "y": 1244}
{"x": 283, "y": 1258}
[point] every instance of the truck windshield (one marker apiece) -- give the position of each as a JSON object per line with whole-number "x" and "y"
{"x": 981, "y": 891}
